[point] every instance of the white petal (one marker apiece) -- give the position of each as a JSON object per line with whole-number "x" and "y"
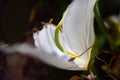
{"x": 78, "y": 25}
{"x": 50, "y": 54}
{"x": 78, "y": 33}
{"x": 77, "y": 36}
{"x": 51, "y": 58}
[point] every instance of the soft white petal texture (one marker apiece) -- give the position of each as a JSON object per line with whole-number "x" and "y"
{"x": 78, "y": 27}
{"x": 77, "y": 36}
{"x": 46, "y": 50}
{"x": 52, "y": 58}
{"x": 50, "y": 53}
{"x": 78, "y": 24}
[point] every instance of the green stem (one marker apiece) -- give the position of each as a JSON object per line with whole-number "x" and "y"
{"x": 102, "y": 25}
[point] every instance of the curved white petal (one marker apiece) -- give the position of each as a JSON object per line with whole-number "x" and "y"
{"x": 78, "y": 26}
{"x": 76, "y": 37}
{"x": 49, "y": 51}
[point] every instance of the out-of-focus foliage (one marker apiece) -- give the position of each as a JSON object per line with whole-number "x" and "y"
{"x": 107, "y": 61}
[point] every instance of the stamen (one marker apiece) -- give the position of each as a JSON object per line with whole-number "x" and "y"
{"x": 42, "y": 22}
{"x": 61, "y": 28}
{"x": 50, "y": 21}
{"x": 73, "y": 54}
{"x": 71, "y": 59}
{"x": 35, "y": 29}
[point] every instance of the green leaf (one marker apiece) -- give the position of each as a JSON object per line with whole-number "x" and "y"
{"x": 101, "y": 25}
{"x": 94, "y": 53}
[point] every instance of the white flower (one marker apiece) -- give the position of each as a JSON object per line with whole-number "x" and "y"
{"x": 56, "y": 45}
{"x": 73, "y": 35}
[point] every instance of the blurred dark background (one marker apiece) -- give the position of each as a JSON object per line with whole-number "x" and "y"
{"x": 15, "y": 16}
{"x": 17, "y": 20}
